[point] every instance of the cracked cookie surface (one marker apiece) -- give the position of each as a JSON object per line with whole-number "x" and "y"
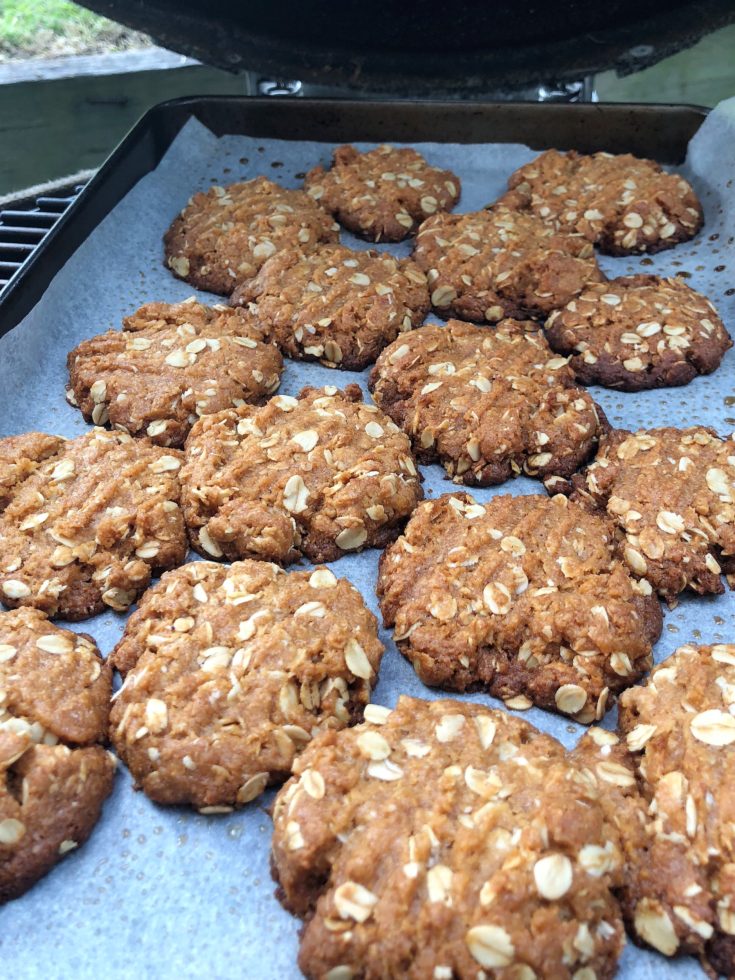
{"x": 639, "y": 332}
{"x": 672, "y": 494}
{"x": 624, "y": 204}
{"x": 319, "y": 475}
{"x": 673, "y": 801}
{"x": 500, "y": 263}
{"x": 521, "y": 597}
{"x": 225, "y": 234}
{"x": 383, "y": 194}
{"x": 229, "y": 673}
{"x": 336, "y": 305}
{"x": 171, "y": 364}
{"x": 54, "y": 773}
{"x": 89, "y": 523}
{"x": 487, "y": 404}
{"x": 443, "y": 839}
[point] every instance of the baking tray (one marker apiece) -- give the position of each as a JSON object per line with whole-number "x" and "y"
{"x": 165, "y": 892}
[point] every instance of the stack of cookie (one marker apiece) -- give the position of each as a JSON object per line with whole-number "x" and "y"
{"x": 441, "y": 839}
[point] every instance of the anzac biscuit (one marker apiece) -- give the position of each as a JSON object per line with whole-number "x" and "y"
{"x": 171, "y": 364}
{"x": 87, "y": 527}
{"x": 677, "y": 747}
{"x": 521, "y": 597}
{"x": 336, "y": 305}
{"x": 384, "y": 194}
{"x": 319, "y": 475}
{"x": 225, "y": 234}
{"x": 445, "y": 840}
{"x": 54, "y": 773}
{"x": 672, "y": 494}
{"x": 639, "y": 332}
{"x": 231, "y": 670}
{"x": 500, "y": 263}
{"x": 621, "y": 203}
{"x": 487, "y": 404}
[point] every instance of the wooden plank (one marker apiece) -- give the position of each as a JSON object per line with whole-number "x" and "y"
{"x": 59, "y": 126}
{"x": 702, "y": 75}
{"x": 115, "y": 63}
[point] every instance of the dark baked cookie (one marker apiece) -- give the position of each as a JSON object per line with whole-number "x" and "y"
{"x": 500, "y": 263}
{"x": 672, "y": 494}
{"x": 487, "y": 404}
{"x": 521, "y": 597}
{"x": 86, "y": 527}
{"x": 171, "y": 364}
{"x": 677, "y": 746}
{"x": 229, "y": 673}
{"x": 224, "y": 235}
{"x": 320, "y": 475}
{"x": 336, "y": 305}
{"x": 54, "y": 774}
{"x": 383, "y": 194}
{"x": 639, "y": 332}
{"x": 621, "y": 203}
{"x": 444, "y": 840}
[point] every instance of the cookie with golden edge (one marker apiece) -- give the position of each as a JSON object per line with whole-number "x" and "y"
{"x": 169, "y": 365}
{"x": 54, "y": 772}
{"x": 225, "y": 234}
{"x": 88, "y": 521}
{"x": 320, "y": 475}
{"x": 383, "y": 194}
{"x": 522, "y": 597}
{"x": 424, "y": 842}
{"x": 230, "y": 671}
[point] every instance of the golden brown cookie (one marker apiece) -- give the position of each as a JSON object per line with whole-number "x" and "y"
{"x": 672, "y": 494}
{"x": 487, "y": 404}
{"x": 319, "y": 475}
{"x": 225, "y": 234}
{"x": 621, "y": 203}
{"x": 445, "y": 840}
{"x": 336, "y": 305}
{"x": 639, "y": 332}
{"x": 171, "y": 364}
{"x": 498, "y": 263}
{"x": 677, "y": 746}
{"x": 87, "y": 527}
{"x": 383, "y": 194}
{"x": 54, "y": 773}
{"x": 521, "y": 597}
{"x": 230, "y": 671}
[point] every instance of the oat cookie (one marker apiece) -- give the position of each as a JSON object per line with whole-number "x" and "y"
{"x": 623, "y": 204}
{"x": 500, "y": 263}
{"x": 446, "y": 840}
{"x": 54, "y": 774}
{"x": 86, "y": 528}
{"x": 225, "y": 234}
{"x": 639, "y": 332}
{"x": 672, "y": 494}
{"x": 677, "y": 743}
{"x": 487, "y": 404}
{"x": 521, "y": 597}
{"x": 383, "y": 194}
{"x": 319, "y": 475}
{"x": 336, "y": 305}
{"x": 231, "y": 670}
{"x": 171, "y": 364}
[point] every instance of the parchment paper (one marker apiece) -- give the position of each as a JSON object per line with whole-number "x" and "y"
{"x": 167, "y": 893}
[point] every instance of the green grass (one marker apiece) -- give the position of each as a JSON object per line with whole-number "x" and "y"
{"x": 49, "y": 28}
